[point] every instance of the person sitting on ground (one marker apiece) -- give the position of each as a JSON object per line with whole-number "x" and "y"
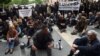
{"x": 91, "y": 18}
{"x": 81, "y": 26}
{"x": 42, "y": 40}
{"x": 62, "y": 25}
{"x": 20, "y": 26}
{"x": 73, "y": 21}
{"x": 97, "y": 19}
{"x": 84, "y": 14}
{"x": 88, "y": 45}
{"x": 68, "y": 18}
{"x": 11, "y": 37}
{"x": 49, "y": 22}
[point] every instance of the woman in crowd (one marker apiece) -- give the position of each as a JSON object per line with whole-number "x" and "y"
{"x": 12, "y": 35}
{"x": 17, "y": 27}
{"x": 81, "y": 26}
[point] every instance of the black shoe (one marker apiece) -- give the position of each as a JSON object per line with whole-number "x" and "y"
{"x": 69, "y": 55}
{"x": 28, "y": 43}
{"x": 7, "y": 52}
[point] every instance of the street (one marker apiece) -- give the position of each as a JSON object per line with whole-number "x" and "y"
{"x": 66, "y": 42}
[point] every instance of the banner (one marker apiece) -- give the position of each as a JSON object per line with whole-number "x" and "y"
{"x": 25, "y": 13}
{"x": 69, "y": 5}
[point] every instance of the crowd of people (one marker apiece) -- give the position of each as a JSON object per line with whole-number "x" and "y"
{"x": 39, "y": 28}
{"x": 90, "y": 6}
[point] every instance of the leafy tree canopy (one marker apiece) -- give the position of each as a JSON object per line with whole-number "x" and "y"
{"x": 5, "y": 1}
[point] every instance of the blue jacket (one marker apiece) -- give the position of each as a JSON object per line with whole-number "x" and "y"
{"x": 88, "y": 48}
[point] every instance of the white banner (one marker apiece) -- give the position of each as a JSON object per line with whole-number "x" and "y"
{"x": 69, "y": 5}
{"x": 25, "y": 13}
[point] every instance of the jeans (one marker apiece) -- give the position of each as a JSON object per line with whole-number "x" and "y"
{"x": 11, "y": 44}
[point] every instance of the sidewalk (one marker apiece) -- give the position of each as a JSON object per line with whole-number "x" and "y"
{"x": 66, "y": 35}
{"x": 55, "y": 51}
{"x": 70, "y": 38}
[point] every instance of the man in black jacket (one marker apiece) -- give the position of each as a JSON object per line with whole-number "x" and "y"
{"x": 42, "y": 40}
{"x": 87, "y": 46}
{"x": 61, "y": 23}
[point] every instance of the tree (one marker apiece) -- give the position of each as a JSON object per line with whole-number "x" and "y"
{"x": 20, "y": 1}
{"x": 16, "y": 1}
{"x": 24, "y": 1}
{"x": 5, "y": 1}
{"x": 38, "y": 1}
